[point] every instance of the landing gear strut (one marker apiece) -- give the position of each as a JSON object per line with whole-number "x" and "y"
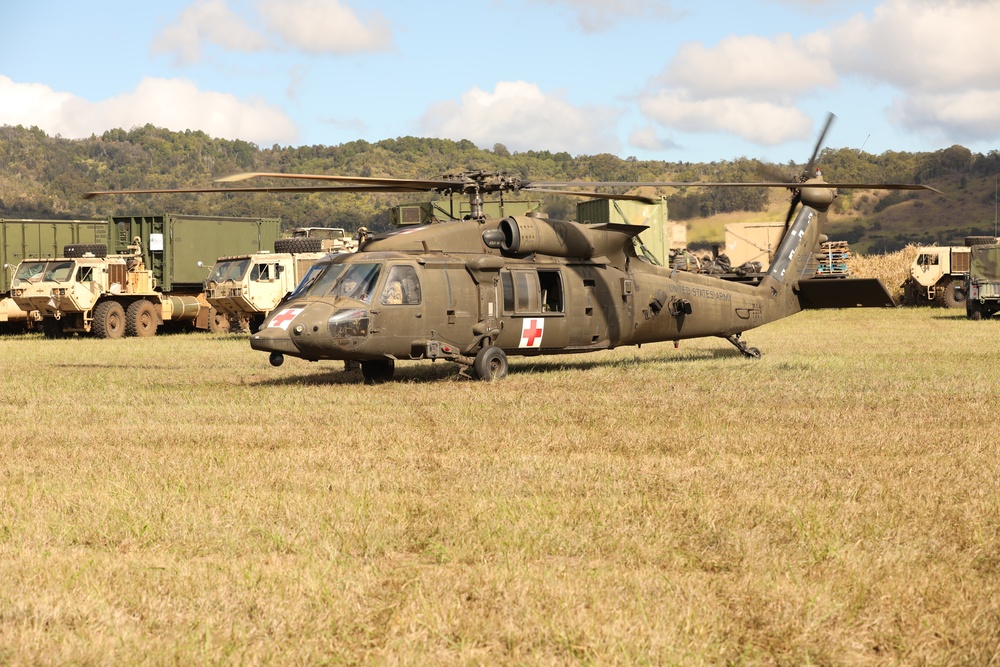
{"x": 741, "y": 345}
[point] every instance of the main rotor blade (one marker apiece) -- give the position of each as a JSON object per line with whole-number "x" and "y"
{"x": 705, "y": 184}
{"x": 300, "y": 189}
{"x": 424, "y": 184}
{"x": 819, "y": 143}
{"x": 595, "y": 195}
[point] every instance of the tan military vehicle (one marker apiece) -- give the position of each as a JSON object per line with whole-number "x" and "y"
{"x": 107, "y": 297}
{"x": 938, "y": 274}
{"x": 244, "y": 288}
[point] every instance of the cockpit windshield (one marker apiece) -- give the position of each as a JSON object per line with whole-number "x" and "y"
{"x": 352, "y": 281}
{"x": 233, "y": 269}
{"x": 33, "y": 272}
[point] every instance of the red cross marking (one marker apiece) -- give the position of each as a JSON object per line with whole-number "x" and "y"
{"x": 282, "y": 319}
{"x": 530, "y": 332}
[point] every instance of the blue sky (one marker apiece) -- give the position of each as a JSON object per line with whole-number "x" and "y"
{"x": 676, "y": 80}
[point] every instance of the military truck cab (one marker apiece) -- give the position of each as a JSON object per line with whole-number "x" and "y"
{"x": 937, "y": 277}
{"x": 245, "y": 288}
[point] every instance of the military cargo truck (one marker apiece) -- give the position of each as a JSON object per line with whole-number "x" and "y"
{"x": 983, "y": 283}
{"x": 29, "y": 238}
{"x": 938, "y": 274}
{"x": 245, "y": 288}
{"x": 317, "y": 239}
{"x": 158, "y": 278}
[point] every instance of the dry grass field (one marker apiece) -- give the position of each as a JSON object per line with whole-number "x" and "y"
{"x": 837, "y": 502}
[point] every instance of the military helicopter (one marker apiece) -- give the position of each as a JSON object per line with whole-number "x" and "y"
{"x": 478, "y": 290}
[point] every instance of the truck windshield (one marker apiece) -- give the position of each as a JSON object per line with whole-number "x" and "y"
{"x": 233, "y": 269}
{"x": 33, "y": 272}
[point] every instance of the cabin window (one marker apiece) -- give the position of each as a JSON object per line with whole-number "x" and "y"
{"x": 532, "y": 292}
{"x": 264, "y": 272}
{"x": 928, "y": 260}
{"x": 85, "y": 274}
{"x": 401, "y": 287}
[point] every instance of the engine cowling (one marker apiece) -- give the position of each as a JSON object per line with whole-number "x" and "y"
{"x": 523, "y": 235}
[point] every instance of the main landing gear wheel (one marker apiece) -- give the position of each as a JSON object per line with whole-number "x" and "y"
{"x": 741, "y": 345}
{"x": 377, "y": 371}
{"x": 490, "y": 364}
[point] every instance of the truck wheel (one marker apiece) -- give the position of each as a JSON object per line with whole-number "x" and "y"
{"x": 980, "y": 240}
{"x": 81, "y": 249}
{"x": 141, "y": 319}
{"x": 974, "y": 312}
{"x": 953, "y": 294}
{"x": 377, "y": 371}
{"x": 218, "y": 322}
{"x": 301, "y": 244}
{"x": 490, "y": 364}
{"x": 109, "y": 320}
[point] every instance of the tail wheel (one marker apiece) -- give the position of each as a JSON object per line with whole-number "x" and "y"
{"x": 141, "y": 319}
{"x": 377, "y": 371}
{"x": 109, "y": 320}
{"x": 490, "y": 364}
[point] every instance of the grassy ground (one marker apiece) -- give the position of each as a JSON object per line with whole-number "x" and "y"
{"x": 177, "y": 500}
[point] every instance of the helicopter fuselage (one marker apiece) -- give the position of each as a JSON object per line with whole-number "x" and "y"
{"x": 528, "y": 286}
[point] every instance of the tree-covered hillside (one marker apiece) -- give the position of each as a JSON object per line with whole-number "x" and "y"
{"x": 45, "y": 177}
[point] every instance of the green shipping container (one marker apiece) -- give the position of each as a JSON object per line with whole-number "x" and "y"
{"x": 181, "y": 249}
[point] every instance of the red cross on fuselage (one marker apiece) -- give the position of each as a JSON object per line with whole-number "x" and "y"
{"x": 532, "y": 332}
{"x": 284, "y": 317}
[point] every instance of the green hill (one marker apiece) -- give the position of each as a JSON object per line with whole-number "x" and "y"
{"x": 43, "y": 176}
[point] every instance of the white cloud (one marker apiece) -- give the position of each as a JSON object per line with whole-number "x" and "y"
{"x": 956, "y": 117}
{"x": 599, "y": 15}
{"x": 519, "y": 115}
{"x": 764, "y": 123}
{"x": 325, "y": 26}
{"x": 943, "y": 57}
{"x": 922, "y": 46}
{"x": 647, "y": 138}
{"x": 752, "y": 66}
{"x": 176, "y": 104}
{"x": 207, "y": 21}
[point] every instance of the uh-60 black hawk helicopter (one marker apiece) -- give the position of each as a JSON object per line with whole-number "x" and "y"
{"x": 477, "y": 290}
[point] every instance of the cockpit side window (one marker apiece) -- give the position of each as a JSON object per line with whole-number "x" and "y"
{"x": 402, "y": 287}
{"x": 358, "y": 282}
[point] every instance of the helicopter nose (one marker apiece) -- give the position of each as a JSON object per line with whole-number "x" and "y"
{"x": 274, "y": 340}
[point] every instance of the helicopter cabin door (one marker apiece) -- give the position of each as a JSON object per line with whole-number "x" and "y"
{"x": 534, "y": 309}
{"x": 400, "y": 302}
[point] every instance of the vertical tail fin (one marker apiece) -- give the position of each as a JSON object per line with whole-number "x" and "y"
{"x": 792, "y": 258}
